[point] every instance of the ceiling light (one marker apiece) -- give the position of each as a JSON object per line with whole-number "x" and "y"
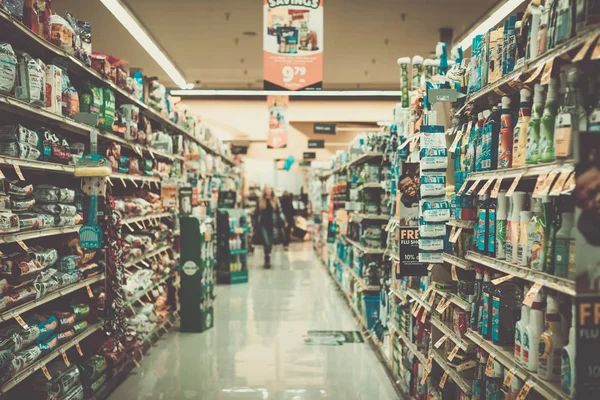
{"x": 131, "y": 24}
{"x": 316, "y": 93}
{"x": 189, "y": 86}
{"x": 497, "y": 16}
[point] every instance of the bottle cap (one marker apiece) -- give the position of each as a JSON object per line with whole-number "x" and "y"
{"x": 525, "y": 95}
{"x": 506, "y": 102}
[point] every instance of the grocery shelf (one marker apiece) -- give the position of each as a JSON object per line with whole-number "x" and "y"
{"x": 450, "y": 334}
{"x": 459, "y": 262}
{"x": 562, "y": 285}
{"x": 505, "y": 356}
{"x": 372, "y": 217}
{"x": 132, "y": 301}
{"x": 370, "y": 185}
{"x": 147, "y": 256}
{"x": 412, "y": 348}
{"x": 456, "y": 300}
{"x": 392, "y": 254}
{"x": 417, "y": 297}
{"x": 204, "y": 199}
{"x": 366, "y": 250}
{"x": 364, "y": 158}
{"x": 46, "y": 359}
{"x": 36, "y": 234}
{"x": 451, "y": 371}
{"x": 148, "y": 217}
{"x": 27, "y": 39}
{"x": 358, "y": 278}
{"x": 506, "y": 82}
{"x": 528, "y": 171}
{"x": 134, "y": 178}
{"x": 37, "y": 165}
{"x": 30, "y": 305}
{"x": 461, "y": 224}
{"x": 139, "y": 147}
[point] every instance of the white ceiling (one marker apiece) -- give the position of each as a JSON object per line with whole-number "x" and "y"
{"x": 206, "y": 40}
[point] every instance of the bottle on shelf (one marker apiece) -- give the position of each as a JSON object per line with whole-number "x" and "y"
{"x": 506, "y": 312}
{"x": 493, "y": 385}
{"x": 522, "y": 250}
{"x": 520, "y": 131}
{"x": 489, "y": 139}
{"x": 520, "y": 332}
{"x": 554, "y": 218}
{"x": 532, "y": 333}
{"x": 551, "y": 343}
{"x": 571, "y": 118}
{"x": 546, "y": 151}
{"x": 476, "y": 296}
{"x": 505, "y": 141}
{"x": 568, "y": 361}
{"x": 501, "y": 225}
{"x": 492, "y": 216}
{"x": 562, "y": 244}
{"x": 486, "y": 306}
{"x": 533, "y": 128}
{"x": 517, "y": 204}
{"x": 537, "y": 234}
{"x": 482, "y": 223}
{"x": 479, "y": 142}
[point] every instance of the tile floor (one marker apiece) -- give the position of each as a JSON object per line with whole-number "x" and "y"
{"x": 256, "y": 349}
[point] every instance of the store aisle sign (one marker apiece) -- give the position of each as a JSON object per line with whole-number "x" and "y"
{"x": 309, "y": 155}
{"x": 235, "y": 150}
{"x": 277, "y": 134}
{"x": 293, "y": 44}
{"x": 316, "y": 144}
{"x": 324, "y": 129}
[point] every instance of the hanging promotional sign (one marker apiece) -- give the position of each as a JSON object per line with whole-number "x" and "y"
{"x": 409, "y": 264}
{"x": 293, "y": 45}
{"x": 278, "y": 124}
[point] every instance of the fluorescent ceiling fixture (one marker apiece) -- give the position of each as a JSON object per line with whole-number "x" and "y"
{"x": 316, "y": 93}
{"x": 499, "y": 15}
{"x": 139, "y": 34}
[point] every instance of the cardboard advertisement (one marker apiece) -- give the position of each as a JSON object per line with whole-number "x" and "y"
{"x": 407, "y": 205}
{"x": 293, "y": 45}
{"x": 409, "y": 264}
{"x": 277, "y": 135}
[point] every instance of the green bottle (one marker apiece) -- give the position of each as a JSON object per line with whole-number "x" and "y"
{"x": 533, "y": 129}
{"x": 546, "y": 152}
{"x": 403, "y": 63}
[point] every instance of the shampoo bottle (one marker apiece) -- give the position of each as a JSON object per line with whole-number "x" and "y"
{"x": 520, "y": 332}
{"x": 546, "y": 152}
{"x": 476, "y": 295}
{"x": 517, "y": 205}
{"x": 491, "y": 227}
{"x": 486, "y": 308}
{"x": 482, "y": 224}
{"x": 537, "y": 235}
{"x": 522, "y": 251}
{"x": 567, "y": 362}
{"x": 505, "y": 142}
{"x": 551, "y": 344}
{"x": 489, "y": 139}
{"x": 494, "y": 381}
{"x": 562, "y": 243}
{"x": 532, "y": 333}
{"x": 501, "y": 221}
{"x": 543, "y": 30}
{"x": 506, "y": 312}
{"x": 571, "y": 119}
{"x": 532, "y": 37}
{"x": 520, "y": 131}
{"x": 533, "y": 128}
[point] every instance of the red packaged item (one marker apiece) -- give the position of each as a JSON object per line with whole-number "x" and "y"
{"x": 20, "y": 268}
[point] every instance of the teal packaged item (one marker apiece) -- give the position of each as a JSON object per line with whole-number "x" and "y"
{"x": 107, "y": 112}
{"x": 491, "y": 228}
{"x": 476, "y": 60}
{"x": 433, "y": 159}
{"x": 482, "y": 224}
{"x": 435, "y": 211}
{"x": 479, "y": 143}
{"x": 511, "y": 49}
{"x": 489, "y": 140}
{"x": 433, "y": 185}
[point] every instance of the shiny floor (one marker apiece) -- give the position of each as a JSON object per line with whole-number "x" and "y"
{"x": 256, "y": 349}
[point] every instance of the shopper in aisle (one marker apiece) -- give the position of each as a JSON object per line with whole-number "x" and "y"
{"x": 269, "y": 222}
{"x": 287, "y": 207}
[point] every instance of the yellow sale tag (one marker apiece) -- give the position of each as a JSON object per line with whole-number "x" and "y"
{"x": 148, "y": 297}
{"x": 432, "y": 299}
{"x": 454, "y": 238}
{"x": 443, "y": 380}
{"x": 139, "y": 225}
{"x": 131, "y": 308}
{"x": 428, "y": 363}
{"x": 141, "y": 302}
{"x": 496, "y": 189}
{"x": 430, "y": 267}
{"x": 123, "y": 182}
{"x": 453, "y": 353}
{"x": 207, "y": 237}
{"x": 424, "y": 316}
{"x": 466, "y": 365}
{"x": 19, "y": 320}
{"x": 440, "y": 342}
{"x": 539, "y": 185}
{"x": 444, "y": 306}
{"x": 441, "y": 305}
{"x": 500, "y": 280}
{"x": 416, "y": 312}
{"x": 485, "y": 187}
{"x": 78, "y": 347}
{"x": 473, "y": 187}
{"x": 452, "y": 233}
{"x": 22, "y": 244}
{"x": 513, "y": 187}
{"x": 454, "y": 274}
{"x": 65, "y": 358}
{"x": 137, "y": 364}
{"x": 425, "y": 375}
{"x": 560, "y": 182}
{"x": 45, "y": 371}
{"x": 547, "y": 73}
{"x": 525, "y": 390}
{"x": 530, "y": 296}
{"x": 507, "y": 380}
{"x": 462, "y": 188}
{"x": 19, "y": 172}
{"x": 89, "y": 290}
{"x": 489, "y": 366}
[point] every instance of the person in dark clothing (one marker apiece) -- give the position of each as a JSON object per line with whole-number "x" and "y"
{"x": 270, "y": 222}
{"x": 287, "y": 207}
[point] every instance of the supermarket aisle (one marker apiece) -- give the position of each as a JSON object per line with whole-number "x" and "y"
{"x": 257, "y": 349}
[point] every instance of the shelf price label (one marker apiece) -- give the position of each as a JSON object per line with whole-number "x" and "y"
{"x": 559, "y": 184}
{"x": 473, "y": 186}
{"x": 533, "y": 291}
{"x": 453, "y": 353}
{"x": 424, "y": 316}
{"x": 503, "y": 279}
{"x": 22, "y": 244}
{"x": 525, "y": 390}
{"x": 65, "y": 358}
{"x": 454, "y": 274}
{"x": 440, "y": 341}
{"x": 513, "y": 187}
{"x": 508, "y": 379}
{"x": 462, "y": 188}
{"x": 19, "y": 172}
{"x": 496, "y": 188}
{"x": 19, "y": 320}
{"x": 489, "y": 366}
{"x": 429, "y": 363}
{"x": 454, "y": 238}
{"x": 443, "y": 380}
{"x": 45, "y": 371}
{"x": 89, "y": 291}
{"x": 78, "y": 347}
{"x": 485, "y": 187}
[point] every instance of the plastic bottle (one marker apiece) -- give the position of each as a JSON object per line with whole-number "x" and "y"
{"x": 516, "y": 385}
{"x": 476, "y": 295}
{"x": 404, "y": 86}
{"x": 491, "y": 227}
{"x": 520, "y": 132}
{"x": 531, "y": 335}
{"x": 546, "y": 152}
{"x": 493, "y": 386}
{"x": 505, "y": 141}
{"x": 501, "y": 220}
{"x": 565, "y": 28}
{"x": 482, "y": 223}
{"x": 517, "y": 204}
{"x": 489, "y": 139}
{"x": 533, "y": 128}
{"x": 479, "y": 376}
{"x": 522, "y": 250}
{"x": 506, "y": 312}
{"x": 551, "y": 344}
{"x": 554, "y": 222}
{"x": 571, "y": 119}
{"x": 532, "y": 37}
{"x": 567, "y": 362}
{"x": 417, "y": 72}
{"x": 572, "y": 264}
{"x": 486, "y": 299}
{"x": 562, "y": 243}
{"x": 543, "y": 30}
{"x": 537, "y": 234}
{"x": 520, "y": 332}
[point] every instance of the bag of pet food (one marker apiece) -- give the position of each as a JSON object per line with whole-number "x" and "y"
{"x": 29, "y": 221}
{"x": 61, "y": 34}
{"x": 19, "y": 150}
{"x": 31, "y": 80}
{"x": 50, "y": 194}
{"x": 54, "y": 88}
{"x": 9, "y": 222}
{"x": 107, "y": 112}
{"x": 14, "y": 7}
{"x": 8, "y": 68}
{"x": 18, "y": 133}
{"x": 64, "y": 378}
{"x": 91, "y": 99}
{"x": 53, "y": 147}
